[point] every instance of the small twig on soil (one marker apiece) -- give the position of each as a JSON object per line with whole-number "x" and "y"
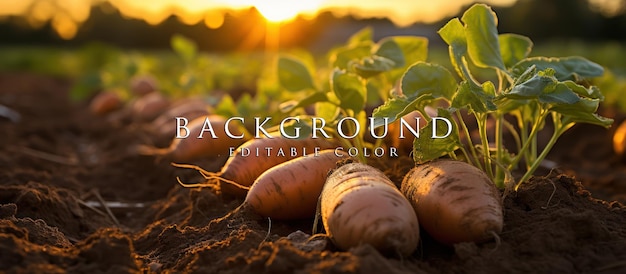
{"x": 115, "y": 204}
{"x": 70, "y": 161}
{"x": 103, "y": 203}
{"x": 10, "y": 114}
{"x": 87, "y": 205}
{"x": 496, "y": 237}
{"x": 551, "y": 196}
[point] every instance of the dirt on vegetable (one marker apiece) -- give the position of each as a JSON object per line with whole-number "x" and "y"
{"x": 75, "y": 196}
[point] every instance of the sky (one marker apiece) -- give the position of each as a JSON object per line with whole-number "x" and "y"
{"x": 67, "y": 15}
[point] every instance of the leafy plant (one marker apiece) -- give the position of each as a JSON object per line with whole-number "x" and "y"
{"x": 361, "y": 73}
{"x": 530, "y": 90}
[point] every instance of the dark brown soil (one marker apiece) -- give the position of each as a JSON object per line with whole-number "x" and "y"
{"x": 59, "y": 163}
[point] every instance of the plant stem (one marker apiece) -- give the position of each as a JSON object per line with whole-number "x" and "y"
{"x": 499, "y": 179}
{"x": 559, "y": 129}
{"x": 471, "y": 147}
{"x": 482, "y": 129}
{"x": 528, "y": 140}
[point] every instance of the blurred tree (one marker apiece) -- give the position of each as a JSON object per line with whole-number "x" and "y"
{"x": 548, "y": 19}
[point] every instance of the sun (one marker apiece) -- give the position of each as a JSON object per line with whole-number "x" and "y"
{"x": 283, "y": 10}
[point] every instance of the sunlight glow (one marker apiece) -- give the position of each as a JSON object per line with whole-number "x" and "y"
{"x": 284, "y": 10}
{"x": 66, "y": 15}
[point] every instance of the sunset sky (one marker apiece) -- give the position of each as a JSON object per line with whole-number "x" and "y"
{"x": 66, "y": 15}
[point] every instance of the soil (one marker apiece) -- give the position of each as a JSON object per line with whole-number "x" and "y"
{"x": 59, "y": 166}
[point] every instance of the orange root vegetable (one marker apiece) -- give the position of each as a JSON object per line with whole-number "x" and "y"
{"x": 192, "y": 147}
{"x": 142, "y": 85}
{"x": 149, "y": 107}
{"x": 360, "y": 205}
{"x": 242, "y": 169}
{"x": 189, "y": 109}
{"x": 105, "y": 102}
{"x": 619, "y": 140}
{"x": 291, "y": 190}
{"x": 454, "y": 201}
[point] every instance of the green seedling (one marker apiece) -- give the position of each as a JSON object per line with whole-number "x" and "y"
{"x": 530, "y": 90}
{"x": 361, "y": 73}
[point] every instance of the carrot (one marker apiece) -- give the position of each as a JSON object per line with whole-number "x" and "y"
{"x": 360, "y": 205}
{"x": 192, "y": 147}
{"x": 291, "y": 190}
{"x": 240, "y": 171}
{"x": 454, "y": 201}
{"x": 105, "y": 102}
{"x": 148, "y": 107}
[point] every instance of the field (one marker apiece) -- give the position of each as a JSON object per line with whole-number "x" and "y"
{"x": 78, "y": 195}
{"x": 59, "y": 156}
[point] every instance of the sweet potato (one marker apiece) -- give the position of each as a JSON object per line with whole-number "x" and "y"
{"x": 190, "y": 109}
{"x": 619, "y": 140}
{"x": 141, "y": 85}
{"x": 454, "y": 201}
{"x": 291, "y": 190}
{"x": 105, "y": 102}
{"x": 148, "y": 107}
{"x": 360, "y": 205}
{"x": 240, "y": 171}
{"x": 192, "y": 147}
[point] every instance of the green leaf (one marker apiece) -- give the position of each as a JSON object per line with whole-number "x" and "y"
{"x": 567, "y": 68}
{"x": 291, "y": 128}
{"x": 426, "y": 148}
{"x": 478, "y": 99}
{"x": 396, "y": 107}
{"x": 453, "y": 33}
{"x": 390, "y": 50}
{"x": 561, "y": 94}
{"x": 533, "y": 87}
{"x": 425, "y": 78}
{"x": 547, "y": 89}
{"x": 413, "y": 48}
{"x": 372, "y": 66}
{"x": 342, "y": 57}
{"x": 184, "y": 47}
{"x": 592, "y": 92}
{"x": 507, "y": 105}
{"x": 327, "y": 111}
{"x": 363, "y": 35}
{"x": 349, "y": 89}
{"x": 226, "y": 107}
{"x": 482, "y": 37}
{"x": 514, "y": 48}
{"x": 582, "y": 112}
{"x": 245, "y": 105}
{"x": 293, "y": 75}
{"x": 421, "y": 84}
{"x": 311, "y": 99}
